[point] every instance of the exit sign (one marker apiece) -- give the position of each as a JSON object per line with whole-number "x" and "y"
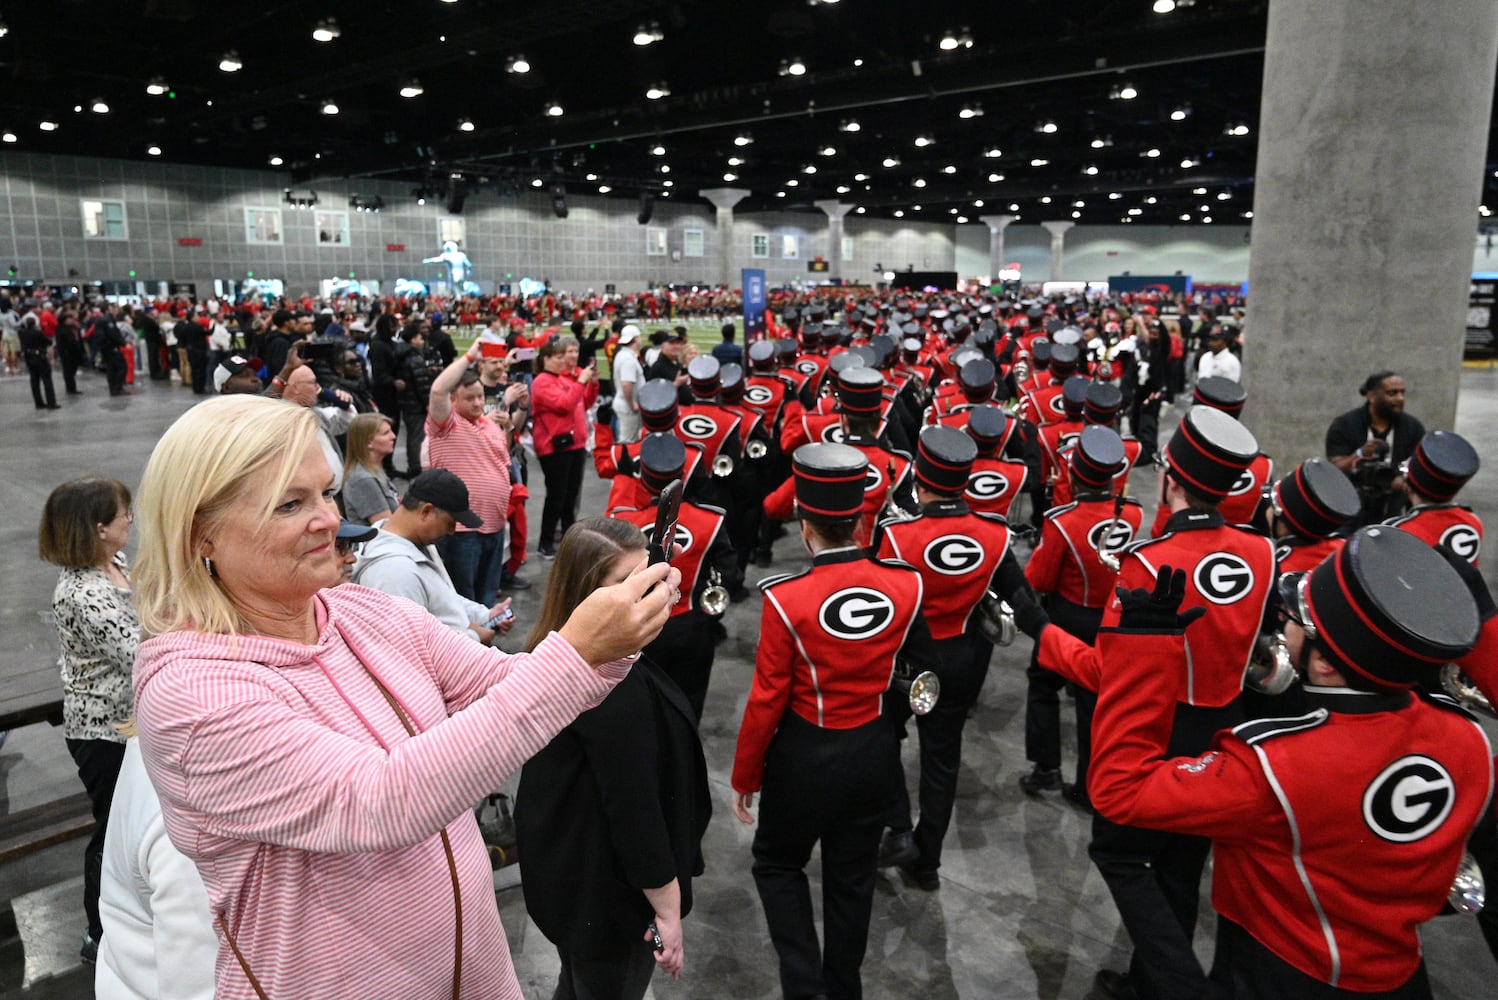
{"x": 190, "y": 241}
{"x": 394, "y": 247}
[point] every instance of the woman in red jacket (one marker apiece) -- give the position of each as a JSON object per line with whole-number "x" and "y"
{"x": 561, "y": 395}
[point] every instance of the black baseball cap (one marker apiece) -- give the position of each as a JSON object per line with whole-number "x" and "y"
{"x": 446, "y": 492}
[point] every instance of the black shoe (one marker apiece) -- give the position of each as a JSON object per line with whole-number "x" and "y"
{"x": 513, "y": 583}
{"x": 897, "y": 848}
{"x": 763, "y": 559}
{"x": 1041, "y": 779}
{"x": 925, "y": 879}
{"x": 1077, "y": 796}
{"x": 52, "y": 406}
{"x": 90, "y": 951}
{"x": 739, "y": 593}
{"x": 547, "y": 551}
{"x": 1110, "y": 985}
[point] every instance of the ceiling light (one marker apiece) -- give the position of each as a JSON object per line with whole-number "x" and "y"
{"x": 230, "y": 62}
{"x": 857, "y": 62}
{"x": 780, "y": 194}
{"x": 924, "y": 140}
{"x": 590, "y": 178}
{"x": 792, "y": 67}
{"x": 1185, "y": 218}
{"x": 730, "y": 177}
{"x": 157, "y": 86}
{"x": 1136, "y": 211}
{"x": 1114, "y": 196}
{"x": 99, "y": 107}
{"x": 860, "y": 210}
{"x": 554, "y": 110}
{"x": 860, "y": 177}
{"x": 1249, "y": 214}
{"x": 743, "y": 139}
{"x": 1180, "y": 113}
{"x": 995, "y": 178}
{"x": 47, "y": 126}
{"x": 1151, "y": 200}
{"x": 1152, "y": 152}
{"x": 849, "y": 125}
{"x": 276, "y": 161}
{"x": 517, "y": 64}
{"x": 735, "y": 161}
{"x": 604, "y": 189}
{"x": 843, "y": 189}
{"x": 465, "y": 125}
{"x": 1045, "y": 200}
{"x": 951, "y": 211}
{"x": 829, "y": 150}
{"x": 538, "y": 182}
{"x": 153, "y": 150}
{"x": 658, "y": 90}
{"x": 1187, "y": 163}
{"x": 1164, "y": 6}
{"x": 1207, "y": 219}
{"x": 792, "y": 183}
{"x": 661, "y": 151}
{"x": 1224, "y": 195}
{"x": 1076, "y": 215}
{"x": 1204, "y": 208}
{"x": 645, "y": 34}
{"x": 1079, "y": 203}
{"x": 412, "y": 89}
{"x": 899, "y": 213}
{"x": 326, "y": 31}
{"x": 949, "y": 169}
{"x": 810, "y": 168}
{"x": 78, "y": 108}
{"x": 1124, "y": 92}
{"x": 664, "y": 168}
{"x": 1014, "y": 206}
{"x": 1090, "y": 170}
{"x": 1239, "y": 129}
{"x": 1198, "y": 190}
{"x": 890, "y": 161}
{"x": 668, "y": 183}
{"x": 329, "y": 108}
{"x": 1039, "y": 162}
{"x": 1047, "y": 128}
{"x": 4, "y": 28}
{"x": 919, "y": 182}
{"x": 962, "y": 218}
{"x": 915, "y": 208}
{"x": 977, "y": 202}
{"x": 971, "y": 111}
{"x": 8, "y": 137}
{"x": 993, "y": 152}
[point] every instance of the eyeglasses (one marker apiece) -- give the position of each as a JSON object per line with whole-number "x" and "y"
{"x": 344, "y": 547}
{"x": 1300, "y": 614}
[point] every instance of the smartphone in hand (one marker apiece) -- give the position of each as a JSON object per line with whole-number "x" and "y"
{"x": 668, "y": 508}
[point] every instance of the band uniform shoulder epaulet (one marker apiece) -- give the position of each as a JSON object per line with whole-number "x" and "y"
{"x": 779, "y": 578}
{"x": 1247, "y": 529}
{"x": 991, "y": 516}
{"x": 1257, "y": 731}
{"x": 616, "y": 511}
{"x": 1131, "y": 502}
{"x": 1139, "y": 544}
{"x": 1054, "y": 512}
{"x": 1441, "y": 700}
{"x": 897, "y": 564}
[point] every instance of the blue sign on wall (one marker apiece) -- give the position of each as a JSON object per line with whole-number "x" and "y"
{"x": 754, "y": 303}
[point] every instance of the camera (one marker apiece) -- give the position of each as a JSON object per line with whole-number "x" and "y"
{"x": 325, "y": 352}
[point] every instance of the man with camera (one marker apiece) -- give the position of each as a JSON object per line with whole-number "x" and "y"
{"x": 1370, "y": 442}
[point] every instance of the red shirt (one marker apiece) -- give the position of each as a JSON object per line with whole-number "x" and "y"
{"x": 1066, "y": 561}
{"x": 475, "y": 452}
{"x": 1448, "y": 524}
{"x": 559, "y": 404}
{"x": 956, "y": 551}
{"x": 994, "y": 484}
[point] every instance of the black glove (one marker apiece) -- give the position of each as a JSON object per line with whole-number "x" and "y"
{"x": 625, "y": 463}
{"x": 1029, "y": 617}
{"x": 1158, "y": 610}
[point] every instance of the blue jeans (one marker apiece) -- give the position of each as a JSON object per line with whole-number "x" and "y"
{"x": 474, "y": 560}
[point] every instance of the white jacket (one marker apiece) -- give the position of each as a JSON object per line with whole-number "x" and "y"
{"x": 395, "y": 565}
{"x": 159, "y": 940}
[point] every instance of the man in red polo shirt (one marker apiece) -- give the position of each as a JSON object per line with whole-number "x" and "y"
{"x": 464, "y": 440}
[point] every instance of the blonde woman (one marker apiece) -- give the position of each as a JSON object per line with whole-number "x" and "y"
{"x": 368, "y": 497}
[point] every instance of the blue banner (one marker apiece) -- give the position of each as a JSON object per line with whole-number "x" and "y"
{"x": 754, "y": 303}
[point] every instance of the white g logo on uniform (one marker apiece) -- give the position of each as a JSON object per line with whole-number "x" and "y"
{"x": 855, "y": 613}
{"x": 1409, "y": 799}
{"x": 1223, "y": 578}
{"x": 695, "y": 425}
{"x": 953, "y": 555}
{"x": 1463, "y": 540}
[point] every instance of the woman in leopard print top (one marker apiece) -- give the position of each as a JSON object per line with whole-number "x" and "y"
{"x": 85, "y": 525}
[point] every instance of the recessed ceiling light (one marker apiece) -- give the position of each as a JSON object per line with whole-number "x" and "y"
{"x": 780, "y": 194}
{"x": 860, "y": 177}
{"x": 792, "y": 183}
{"x": 971, "y": 111}
{"x": 1014, "y": 206}
{"x": 1101, "y": 142}
{"x": 1187, "y": 163}
{"x": 961, "y": 219}
{"x": 993, "y": 152}
{"x": 661, "y": 151}
{"x": 1185, "y": 218}
{"x": 1151, "y": 200}
{"x": 899, "y": 213}
{"x": 99, "y": 107}
{"x": 157, "y": 86}
{"x": 412, "y": 88}
{"x": 891, "y": 161}
{"x": 1125, "y": 92}
{"x": 730, "y": 177}
{"x": 1207, "y": 219}
{"x": 657, "y": 90}
{"x": 1180, "y": 114}
{"x": 1076, "y": 215}
{"x": 1224, "y": 195}
{"x": 664, "y": 168}
{"x": 517, "y": 64}
{"x": 646, "y": 34}
{"x": 604, "y": 189}
{"x": 792, "y": 67}
{"x": 668, "y": 183}
{"x": 538, "y": 182}
{"x": 843, "y": 189}
{"x": 924, "y": 140}
{"x": 1090, "y": 170}
{"x": 949, "y": 169}
{"x": 591, "y": 177}
{"x": 1114, "y": 195}
{"x": 47, "y": 126}
{"x": 1198, "y": 190}
{"x": 857, "y": 63}
{"x": 1045, "y": 199}
{"x": 1239, "y": 129}
{"x": 1164, "y": 6}
{"x": 326, "y": 30}
{"x": 1039, "y": 161}
{"x": 276, "y": 161}
{"x": 554, "y": 110}
{"x": 1152, "y": 152}
{"x": 1249, "y": 214}
{"x": 230, "y": 62}
{"x": 995, "y": 178}
{"x": 1204, "y": 208}
{"x": 8, "y": 137}
{"x": 743, "y": 139}
{"x": 329, "y": 108}
{"x": 977, "y": 202}
{"x": 915, "y": 208}
{"x": 919, "y": 182}
{"x": 735, "y": 161}
{"x": 1136, "y": 211}
{"x": 809, "y": 169}
{"x": 849, "y": 125}
{"x": 829, "y": 150}
{"x": 860, "y": 210}
{"x": 465, "y": 125}
{"x": 1047, "y": 127}
{"x": 153, "y": 150}
{"x": 1079, "y": 203}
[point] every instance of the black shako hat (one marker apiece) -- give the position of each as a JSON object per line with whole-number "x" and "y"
{"x": 731, "y": 378}
{"x": 703, "y": 376}
{"x": 943, "y": 459}
{"x": 657, "y": 399}
{"x": 1098, "y": 456}
{"x": 829, "y": 482}
{"x": 1315, "y": 499}
{"x": 1104, "y": 400}
{"x": 1074, "y": 396}
{"x": 662, "y": 458}
{"x": 1208, "y": 452}
{"x": 989, "y": 427}
{"x": 1385, "y": 606}
{"x": 838, "y": 363}
{"x": 1441, "y": 465}
{"x": 977, "y": 378}
{"x": 785, "y": 350}
{"x": 1064, "y": 359}
{"x": 447, "y": 493}
{"x": 860, "y": 389}
{"x": 1220, "y": 394}
{"x": 1040, "y": 352}
{"x": 762, "y": 355}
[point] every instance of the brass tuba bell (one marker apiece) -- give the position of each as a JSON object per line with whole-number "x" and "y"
{"x": 1467, "y": 694}
{"x": 1468, "y": 890}
{"x": 723, "y": 466}
{"x": 714, "y": 596}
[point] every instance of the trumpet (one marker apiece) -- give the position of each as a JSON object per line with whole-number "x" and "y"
{"x": 996, "y": 619}
{"x": 1020, "y": 371}
{"x": 1270, "y": 670}
{"x": 1108, "y": 559}
{"x": 756, "y": 449}
{"x": 921, "y": 690}
{"x": 723, "y": 466}
{"x": 1468, "y": 890}
{"x": 1467, "y": 694}
{"x": 715, "y": 596}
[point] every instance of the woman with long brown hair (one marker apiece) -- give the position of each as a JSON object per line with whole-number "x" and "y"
{"x": 610, "y": 815}
{"x": 368, "y": 497}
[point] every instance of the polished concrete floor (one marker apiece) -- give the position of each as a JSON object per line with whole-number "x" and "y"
{"x": 1020, "y": 912}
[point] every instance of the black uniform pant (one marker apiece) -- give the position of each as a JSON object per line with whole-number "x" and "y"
{"x": 157, "y": 370}
{"x": 114, "y": 370}
{"x": 1155, "y": 877}
{"x": 1144, "y": 422}
{"x": 563, "y": 471}
{"x": 685, "y": 650}
{"x": 415, "y": 423}
{"x": 197, "y": 360}
{"x": 40, "y": 370}
{"x": 1043, "y": 698}
{"x": 1243, "y": 969}
{"x": 830, "y": 786}
{"x": 624, "y": 978}
{"x": 962, "y": 667}
{"x": 72, "y": 360}
{"x": 98, "y": 764}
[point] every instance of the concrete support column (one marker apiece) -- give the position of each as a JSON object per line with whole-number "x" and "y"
{"x": 835, "y": 210}
{"x": 996, "y": 226}
{"x": 1372, "y": 135}
{"x": 723, "y": 199}
{"x": 1058, "y": 245}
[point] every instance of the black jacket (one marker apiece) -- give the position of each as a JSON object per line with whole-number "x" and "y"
{"x": 617, "y": 803}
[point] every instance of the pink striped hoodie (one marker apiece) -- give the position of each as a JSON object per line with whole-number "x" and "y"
{"x": 311, "y": 815}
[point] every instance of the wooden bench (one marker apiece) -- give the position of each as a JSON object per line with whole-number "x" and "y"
{"x": 39, "y": 827}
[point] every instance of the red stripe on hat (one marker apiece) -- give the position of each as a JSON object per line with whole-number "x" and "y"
{"x": 1376, "y": 630}
{"x": 1341, "y": 654}
{"x": 826, "y": 512}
